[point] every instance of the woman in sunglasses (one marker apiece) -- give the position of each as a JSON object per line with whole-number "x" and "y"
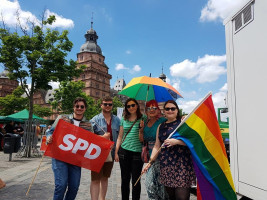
{"x": 128, "y": 150}
{"x": 176, "y": 168}
{"x": 147, "y": 134}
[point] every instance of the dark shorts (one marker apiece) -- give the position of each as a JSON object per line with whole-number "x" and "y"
{"x": 104, "y": 172}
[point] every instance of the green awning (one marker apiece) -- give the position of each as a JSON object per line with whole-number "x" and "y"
{"x": 24, "y": 115}
{"x": 6, "y": 119}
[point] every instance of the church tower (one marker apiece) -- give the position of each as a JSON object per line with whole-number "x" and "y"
{"x": 95, "y": 75}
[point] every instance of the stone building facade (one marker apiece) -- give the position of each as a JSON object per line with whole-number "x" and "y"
{"x": 6, "y": 85}
{"x": 95, "y": 75}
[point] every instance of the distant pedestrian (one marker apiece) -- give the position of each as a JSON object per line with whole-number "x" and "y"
{"x": 48, "y": 129}
{"x": 107, "y": 125}
{"x": 19, "y": 129}
{"x": 10, "y": 128}
{"x": 67, "y": 176}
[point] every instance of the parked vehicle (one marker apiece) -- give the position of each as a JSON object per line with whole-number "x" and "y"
{"x": 223, "y": 121}
{"x": 246, "y": 55}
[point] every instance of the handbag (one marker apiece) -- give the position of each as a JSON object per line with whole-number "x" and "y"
{"x": 145, "y": 153}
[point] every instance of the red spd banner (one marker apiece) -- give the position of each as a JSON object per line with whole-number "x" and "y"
{"x": 77, "y": 146}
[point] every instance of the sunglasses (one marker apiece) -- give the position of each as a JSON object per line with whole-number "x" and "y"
{"x": 132, "y": 105}
{"x": 77, "y": 106}
{"x": 171, "y": 108}
{"x": 151, "y": 108}
{"x": 107, "y": 104}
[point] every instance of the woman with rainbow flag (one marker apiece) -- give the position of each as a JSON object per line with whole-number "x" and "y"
{"x": 176, "y": 167}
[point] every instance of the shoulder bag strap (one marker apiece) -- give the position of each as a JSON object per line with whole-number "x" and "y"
{"x": 128, "y": 131}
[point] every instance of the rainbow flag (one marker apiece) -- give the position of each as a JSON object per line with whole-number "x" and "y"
{"x": 201, "y": 133}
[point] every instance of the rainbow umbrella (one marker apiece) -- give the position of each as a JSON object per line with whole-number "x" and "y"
{"x": 148, "y": 88}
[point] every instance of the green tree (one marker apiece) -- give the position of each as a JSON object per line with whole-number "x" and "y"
{"x": 116, "y": 103}
{"x": 41, "y": 111}
{"x": 13, "y": 102}
{"x": 37, "y": 55}
{"x": 66, "y": 94}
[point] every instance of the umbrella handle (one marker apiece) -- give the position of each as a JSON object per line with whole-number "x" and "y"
{"x": 146, "y": 97}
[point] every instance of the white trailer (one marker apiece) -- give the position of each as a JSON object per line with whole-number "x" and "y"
{"x": 246, "y": 51}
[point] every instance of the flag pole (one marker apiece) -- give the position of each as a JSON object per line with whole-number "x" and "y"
{"x": 182, "y": 122}
{"x": 35, "y": 175}
{"x": 99, "y": 126}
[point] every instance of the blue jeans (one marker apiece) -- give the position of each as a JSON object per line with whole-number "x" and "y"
{"x": 131, "y": 167}
{"x": 66, "y": 176}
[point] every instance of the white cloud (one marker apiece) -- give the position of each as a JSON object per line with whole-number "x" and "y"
{"x": 128, "y": 52}
{"x": 132, "y": 70}
{"x": 120, "y": 67}
{"x": 186, "y": 69}
{"x": 187, "y": 106}
{"x": 224, "y": 88}
{"x": 137, "y": 68}
{"x": 106, "y": 15}
{"x": 206, "y": 69}
{"x": 174, "y": 83}
{"x": 218, "y": 100}
{"x": 55, "y": 85}
{"x": 60, "y": 22}
{"x": 9, "y": 9}
{"x": 219, "y": 9}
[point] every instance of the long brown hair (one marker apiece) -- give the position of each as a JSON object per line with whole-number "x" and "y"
{"x": 126, "y": 113}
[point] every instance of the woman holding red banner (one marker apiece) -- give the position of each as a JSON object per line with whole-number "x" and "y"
{"x": 67, "y": 176}
{"x": 128, "y": 149}
{"x": 176, "y": 167}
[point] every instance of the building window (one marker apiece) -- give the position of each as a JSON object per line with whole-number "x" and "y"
{"x": 97, "y": 85}
{"x": 81, "y": 57}
{"x": 83, "y": 76}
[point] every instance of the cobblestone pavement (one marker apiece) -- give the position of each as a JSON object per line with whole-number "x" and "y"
{"x": 19, "y": 173}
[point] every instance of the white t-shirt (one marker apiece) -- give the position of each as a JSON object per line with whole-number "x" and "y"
{"x": 76, "y": 122}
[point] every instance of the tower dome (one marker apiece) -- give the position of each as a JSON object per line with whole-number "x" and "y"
{"x": 91, "y": 42}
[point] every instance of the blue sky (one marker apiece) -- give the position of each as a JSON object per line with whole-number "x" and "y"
{"x": 139, "y": 37}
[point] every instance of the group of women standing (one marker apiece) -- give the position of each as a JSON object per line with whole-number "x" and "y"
{"x": 171, "y": 174}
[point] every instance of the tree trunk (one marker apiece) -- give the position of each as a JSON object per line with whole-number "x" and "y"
{"x": 30, "y": 132}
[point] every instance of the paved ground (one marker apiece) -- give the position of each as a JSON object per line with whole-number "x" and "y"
{"x": 19, "y": 172}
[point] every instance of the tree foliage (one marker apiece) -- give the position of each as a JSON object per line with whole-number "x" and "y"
{"x": 13, "y": 102}
{"x": 67, "y": 92}
{"x": 41, "y": 111}
{"x": 116, "y": 103}
{"x": 38, "y": 55}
